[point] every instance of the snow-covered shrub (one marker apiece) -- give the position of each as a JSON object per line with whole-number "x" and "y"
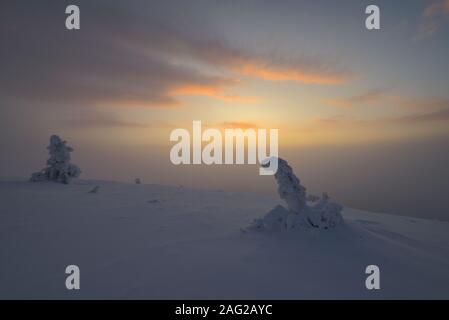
{"x": 312, "y": 198}
{"x": 323, "y": 214}
{"x": 58, "y": 168}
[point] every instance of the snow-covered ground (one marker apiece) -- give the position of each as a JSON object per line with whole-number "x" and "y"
{"x": 149, "y": 241}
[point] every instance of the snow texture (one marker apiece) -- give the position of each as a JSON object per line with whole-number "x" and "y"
{"x": 59, "y": 168}
{"x": 189, "y": 246}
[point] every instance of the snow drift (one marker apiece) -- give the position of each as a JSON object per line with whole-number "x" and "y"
{"x": 154, "y": 242}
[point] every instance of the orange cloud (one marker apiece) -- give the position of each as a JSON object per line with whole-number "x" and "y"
{"x": 211, "y": 91}
{"x": 233, "y": 125}
{"x": 239, "y": 125}
{"x": 339, "y": 102}
{"x": 367, "y": 97}
{"x": 196, "y": 90}
{"x": 433, "y": 16}
{"x": 436, "y": 8}
{"x": 145, "y": 62}
{"x": 273, "y": 72}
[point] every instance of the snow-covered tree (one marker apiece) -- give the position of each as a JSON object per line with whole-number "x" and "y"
{"x": 289, "y": 187}
{"x": 58, "y": 168}
{"x": 323, "y": 214}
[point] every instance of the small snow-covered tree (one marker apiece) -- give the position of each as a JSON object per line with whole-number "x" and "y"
{"x": 58, "y": 168}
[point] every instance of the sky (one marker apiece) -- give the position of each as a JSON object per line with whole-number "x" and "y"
{"x": 362, "y": 114}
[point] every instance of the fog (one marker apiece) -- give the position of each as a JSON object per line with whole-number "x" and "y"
{"x": 405, "y": 178}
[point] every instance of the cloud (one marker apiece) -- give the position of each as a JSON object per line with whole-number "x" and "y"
{"x": 212, "y": 91}
{"x": 233, "y": 125}
{"x": 434, "y": 116}
{"x": 437, "y": 8}
{"x": 101, "y": 64}
{"x": 103, "y": 120}
{"x": 433, "y": 18}
{"x": 419, "y": 103}
{"x": 302, "y": 73}
{"x": 330, "y": 121}
{"x": 357, "y": 128}
{"x": 341, "y": 121}
{"x": 239, "y": 125}
{"x": 387, "y": 98}
{"x": 366, "y": 97}
{"x": 125, "y": 58}
{"x": 337, "y": 122}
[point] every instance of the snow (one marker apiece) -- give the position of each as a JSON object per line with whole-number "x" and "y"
{"x": 151, "y": 241}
